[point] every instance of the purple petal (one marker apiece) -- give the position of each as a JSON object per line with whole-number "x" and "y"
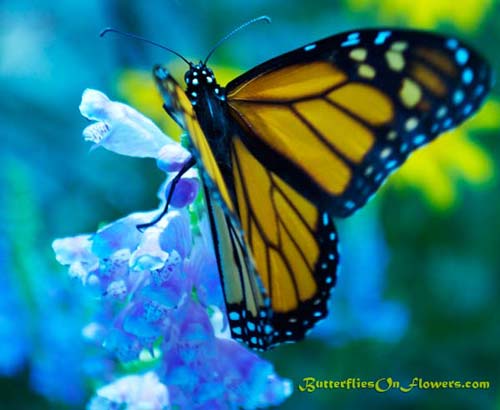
{"x": 177, "y": 234}
{"x": 149, "y": 255}
{"x": 252, "y": 382}
{"x": 125, "y": 346}
{"x": 201, "y": 269}
{"x": 172, "y": 157}
{"x": 141, "y": 319}
{"x": 122, "y": 234}
{"x": 185, "y": 190}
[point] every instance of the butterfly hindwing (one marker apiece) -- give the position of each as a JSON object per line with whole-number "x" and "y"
{"x": 246, "y": 301}
{"x": 336, "y": 117}
{"x": 293, "y": 246}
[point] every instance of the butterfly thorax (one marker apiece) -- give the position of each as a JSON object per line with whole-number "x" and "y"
{"x": 209, "y": 101}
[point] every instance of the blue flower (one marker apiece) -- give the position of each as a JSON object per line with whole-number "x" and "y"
{"x": 161, "y": 300}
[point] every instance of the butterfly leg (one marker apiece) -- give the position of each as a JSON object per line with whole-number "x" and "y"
{"x": 186, "y": 167}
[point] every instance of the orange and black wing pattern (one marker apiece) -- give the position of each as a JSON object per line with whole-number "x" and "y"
{"x": 336, "y": 117}
{"x": 292, "y": 244}
{"x": 305, "y": 137}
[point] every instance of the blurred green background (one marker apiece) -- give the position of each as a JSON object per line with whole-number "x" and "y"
{"x": 420, "y": 293}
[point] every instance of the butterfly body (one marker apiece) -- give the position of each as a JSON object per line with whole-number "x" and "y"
{"x": 301, "y": 139}
{"x": 208, "y": 100}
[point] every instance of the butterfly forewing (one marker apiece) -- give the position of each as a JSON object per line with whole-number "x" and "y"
{"x": 336, "y": 117}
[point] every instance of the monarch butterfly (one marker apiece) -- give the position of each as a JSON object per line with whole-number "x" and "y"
{"x": 303, "y": 138}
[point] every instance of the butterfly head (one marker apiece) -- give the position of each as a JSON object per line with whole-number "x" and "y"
{"x": 199, "y": 79}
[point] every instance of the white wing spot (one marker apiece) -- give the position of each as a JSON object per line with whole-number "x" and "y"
{"x": 458, "y": 97}
{"x": 385, "y": 153}
{"x": 381, "y": 37}
{"x": 441, "y": 112}
{"x": 391, "y": 164}
{"x": 392, "y": 135}
{"x": 467, "y": 76}
{"x": 411, "y": 123}
{"x": 349, "y": 204}
{"x": 366, "y": 71}
{"x": 399, "y": 46}
{"x": 358, "y": 54}
{"x": 352, "y": 40}
{"x": 462, "y": 56}
{"x": 395, "y": 60}
{"x": 452, "y": 43}
{"x": 467, "y": 109}
{"x": 419, "y": 139}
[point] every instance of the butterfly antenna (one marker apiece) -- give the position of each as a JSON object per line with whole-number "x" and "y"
{"x": 223, "y": 39}
{"x": 135, "y": 36}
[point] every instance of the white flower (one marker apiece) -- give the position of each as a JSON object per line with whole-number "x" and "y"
{"x": 143, "y": 392}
